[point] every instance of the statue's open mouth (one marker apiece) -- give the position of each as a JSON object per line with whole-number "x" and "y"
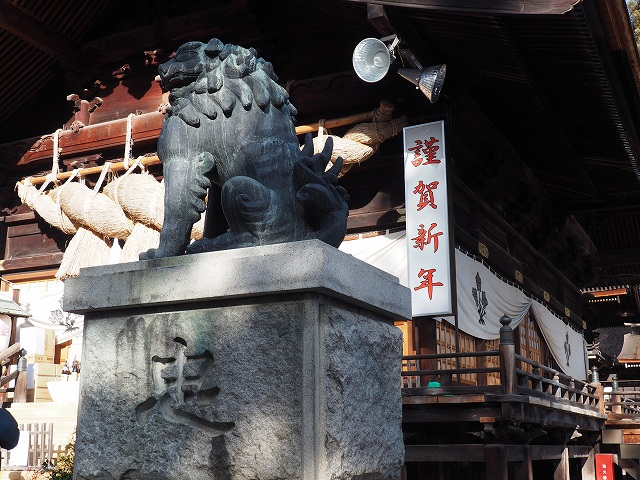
{"x": 178, "y": 79}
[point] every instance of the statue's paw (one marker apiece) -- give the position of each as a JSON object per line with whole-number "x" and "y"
{"x": 149, "y": 254}
{"x": 221, "y": 242}
{"x": 201, "y": 246}
{"x": 160, "y": 252}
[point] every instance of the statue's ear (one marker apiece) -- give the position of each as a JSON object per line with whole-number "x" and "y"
{"x": 213, "y": 48}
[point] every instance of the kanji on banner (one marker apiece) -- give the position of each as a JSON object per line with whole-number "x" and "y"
{"x": 427, "y": 206}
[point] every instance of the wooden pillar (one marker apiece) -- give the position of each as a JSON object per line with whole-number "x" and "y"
{"x": 524, "y": 470}
{"x": 14, "y": 322}
{"x": 561, "y": 471}
{"x": 20, "y": 389}
{"x": 507, "y": 349}
{"x": 495, "y": 462}
{"x": 481, "y": 362}
{"x": 426, "y": 343}
{"x": 589, "y": 465}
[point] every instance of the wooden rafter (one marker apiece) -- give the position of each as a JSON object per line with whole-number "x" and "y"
{"x": 36, "y": 33}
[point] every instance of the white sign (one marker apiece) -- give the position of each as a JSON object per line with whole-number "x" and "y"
{"x": 426, "y": 201}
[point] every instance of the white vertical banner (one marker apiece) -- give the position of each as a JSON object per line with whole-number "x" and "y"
{"x": 427, "y": 206}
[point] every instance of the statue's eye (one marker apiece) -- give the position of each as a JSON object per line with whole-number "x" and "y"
{"x": 185, "y": 56}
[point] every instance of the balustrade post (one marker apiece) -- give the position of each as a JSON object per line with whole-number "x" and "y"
{"x": 595, "y": 381}
{"x": 572, "y": 390}
{"x": 507, "y": 350}
{"x": 556, "y": 390}
{"x": 536, "y": 384}
{"x": 615, "y": 397}
{"x": 20, "y": 388}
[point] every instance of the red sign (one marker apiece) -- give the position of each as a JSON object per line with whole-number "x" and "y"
{"x": 604, "y": 466}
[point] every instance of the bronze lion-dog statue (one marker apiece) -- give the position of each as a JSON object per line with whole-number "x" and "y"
{"x": 229, "y": 131}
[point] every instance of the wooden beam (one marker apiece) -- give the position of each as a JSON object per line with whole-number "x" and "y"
{"x": 48, "y": 260}
{"x": 448, "y": 413}
{"x": 484, "y": 7}
{"x": 36, "y": 33}
{"x": 444, "y": 453}
{"x": 477, "y": 452}
{"x": 556, "y": 452}
{"x": 145, "y": 127}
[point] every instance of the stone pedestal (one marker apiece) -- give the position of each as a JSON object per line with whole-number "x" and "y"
{"x": 275, "y": 362}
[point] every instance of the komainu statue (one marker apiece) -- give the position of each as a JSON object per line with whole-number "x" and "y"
{"x": 229, "y": 131}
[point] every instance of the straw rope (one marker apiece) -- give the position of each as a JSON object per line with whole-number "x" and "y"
{"x": 362, "y": 141}
{"x": 89, "y": 246}
{"x": 86, "y": 249}
{"x": 47, "y": 207}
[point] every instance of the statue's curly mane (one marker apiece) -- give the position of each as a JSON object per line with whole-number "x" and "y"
{"x": 224, "y": 76}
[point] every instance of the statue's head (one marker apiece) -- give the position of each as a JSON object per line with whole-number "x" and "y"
{"x": 184, "y": 68}
{"x": 228, "y": 74}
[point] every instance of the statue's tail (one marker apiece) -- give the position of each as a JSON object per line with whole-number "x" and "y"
{"x": 318, "y": 191}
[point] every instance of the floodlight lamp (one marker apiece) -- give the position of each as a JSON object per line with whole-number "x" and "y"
{"x": 429, "y": 81}
{"x": 372, "y": 58}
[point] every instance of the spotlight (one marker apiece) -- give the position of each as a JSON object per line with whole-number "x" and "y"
{"x": 429, "y": 81}
{"x": 372, "y": 57}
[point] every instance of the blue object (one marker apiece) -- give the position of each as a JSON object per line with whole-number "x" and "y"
{"x": 9, "y": 433}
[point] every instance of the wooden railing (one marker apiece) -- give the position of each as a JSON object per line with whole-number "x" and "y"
{"x": 517, "y": 375}
{"x": 415, "y": 376}
{"x": 622, "y": 396}
{"x": 543, "y": 381}
{"x": 19, "y": 375}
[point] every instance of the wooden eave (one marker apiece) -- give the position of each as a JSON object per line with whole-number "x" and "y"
{"x": 494, "y": 7}
{"x": 618, "y": 32}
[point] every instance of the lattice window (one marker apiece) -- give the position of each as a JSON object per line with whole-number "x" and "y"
{"x": 493, "y": 362}
{"x": 38, "y": 287}
{"x": 446, "y": 343}
{"x": 531, "y": 345}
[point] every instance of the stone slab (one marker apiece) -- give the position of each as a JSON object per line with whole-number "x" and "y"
{"x": 266, "y": 270}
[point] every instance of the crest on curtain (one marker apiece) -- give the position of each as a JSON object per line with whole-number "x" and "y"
{"x": 480, "y": 298}
{"x": 567, "y": 347}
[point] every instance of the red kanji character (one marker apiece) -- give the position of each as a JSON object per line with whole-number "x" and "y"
{"x": 424, "y": 153}
{"x": 426, "y": 194}
{"x": 425, "y": 236}
{"x": 427, "y": 281}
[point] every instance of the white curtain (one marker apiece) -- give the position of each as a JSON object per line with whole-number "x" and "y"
{"x": 482, "y": 299}
{"x": 387, "y": 252}
{"x": 567, "y": 346}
